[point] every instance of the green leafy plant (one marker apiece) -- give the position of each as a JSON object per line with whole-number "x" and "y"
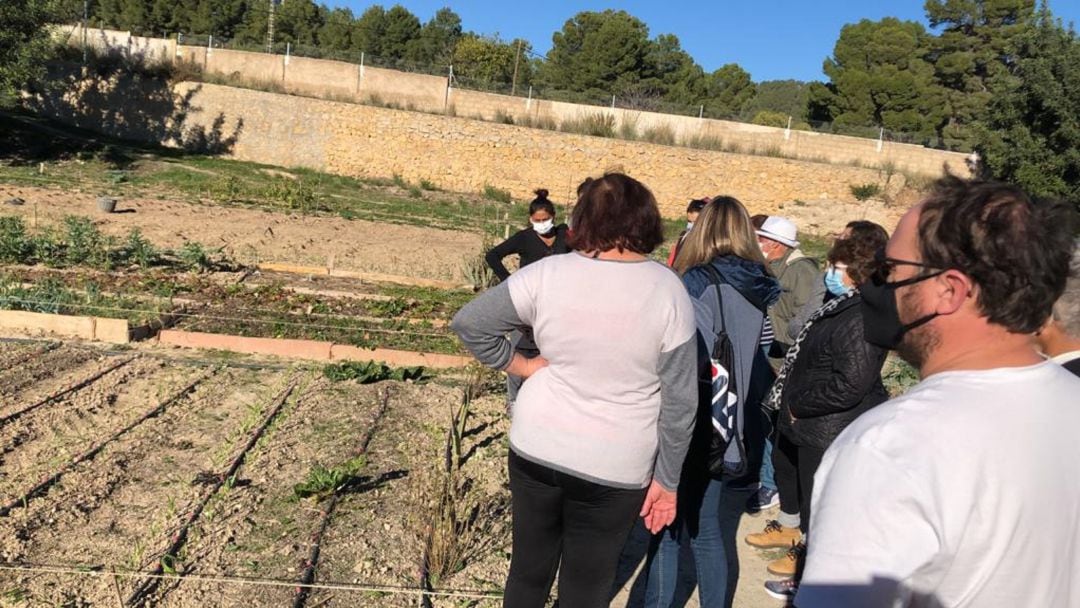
{"x": 85, "y": 244}
{"x": 194, "y": 257}
{"x": 373, "y": 371}
{"x": 428, "y": 185}
{"x": 15, "y": 245}
{"x": 865, "y": 192}
{"x": 139, "y": 250}
{"x": 394, "y": 307}
{"x": 323, "y": 482}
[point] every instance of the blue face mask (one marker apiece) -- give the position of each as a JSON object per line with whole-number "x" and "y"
{"x": 834, "y": 282}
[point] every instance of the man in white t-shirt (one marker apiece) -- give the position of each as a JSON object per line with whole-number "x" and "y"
{"x": 962, "y": 492}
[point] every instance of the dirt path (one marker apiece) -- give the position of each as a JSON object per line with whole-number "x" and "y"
{"x": 252, "y": 236}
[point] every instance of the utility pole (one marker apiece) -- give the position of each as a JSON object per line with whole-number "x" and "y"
{"x": 85, "y": 20}
{"x": 513, "y": 87}
{"x": 270, "y": 27}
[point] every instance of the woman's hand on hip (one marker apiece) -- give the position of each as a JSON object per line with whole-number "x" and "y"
{"x": 659, "y": 508}
{"x": 524, "y": 367}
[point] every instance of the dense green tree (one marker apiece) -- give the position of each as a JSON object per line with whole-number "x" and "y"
{"x": 298, "y": 22}
{"x": 370, "y": 30}
{"x": 597, "y": 54}
{"x": 879, "y": 77}
{"x": 437, "y": 39}
{"x": 488, "y": 61}
{"x": 1031, "y": 135}
{"x": 218, "y": 17}
{"x": 973, "y": 49}
{"x": 252, "y": 28}
{"x": 336, "y": 34}
{"x": 784, "y": 97}
{"x": 728, "y": 91}
{"x": 24, "y": 42}
{"x": 671, "y": 71}
{"x": 401, "y": 29}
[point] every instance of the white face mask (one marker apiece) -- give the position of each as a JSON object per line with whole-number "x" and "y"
{"x": 689, "y": 225}
{"x": 543, "y": 227}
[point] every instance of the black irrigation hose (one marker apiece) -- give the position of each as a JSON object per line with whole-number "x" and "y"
{"x": 56, "y": 396}
{"x": 141, "y": 593}
{"x": 307, "y": 577}
{"x": 49, "y": 481}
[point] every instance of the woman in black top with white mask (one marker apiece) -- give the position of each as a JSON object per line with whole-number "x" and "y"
{"x": 542, "y": 238}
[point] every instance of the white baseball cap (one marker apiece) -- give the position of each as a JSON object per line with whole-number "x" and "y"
{"x": 779, "y": 229}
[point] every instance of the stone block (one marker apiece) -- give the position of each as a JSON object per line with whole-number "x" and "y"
{"x": 61, "y": 325}
{"x": 113, "y": 331}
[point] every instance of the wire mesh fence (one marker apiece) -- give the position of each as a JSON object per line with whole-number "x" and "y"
{"x": 528, "y": 86}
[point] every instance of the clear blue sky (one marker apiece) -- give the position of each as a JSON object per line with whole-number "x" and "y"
{"x": 772, "y": 39}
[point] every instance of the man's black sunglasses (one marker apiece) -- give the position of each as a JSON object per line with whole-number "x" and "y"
{"x": 884, "y": 266}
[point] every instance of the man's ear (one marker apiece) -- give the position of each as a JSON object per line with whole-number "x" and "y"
{"x": 953, "y": 289}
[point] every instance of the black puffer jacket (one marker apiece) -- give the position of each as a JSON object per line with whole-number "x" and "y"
{"x": 835, "y": 378}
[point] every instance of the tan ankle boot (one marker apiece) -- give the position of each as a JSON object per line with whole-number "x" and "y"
{"x": 775, "y": 536}
{"x": 789, "y": 564}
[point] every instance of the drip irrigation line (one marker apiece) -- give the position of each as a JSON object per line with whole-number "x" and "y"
{"x": 307, "y": 576}
{"x": 141, "y": 593}
{"x": 56, "y": 396}
{"x": 221, "y": 318}
{"x": 51, "y": 480}
{"x": 97, "y": 571}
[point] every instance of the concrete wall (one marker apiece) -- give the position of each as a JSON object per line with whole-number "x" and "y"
{"x": 345, "y": 81}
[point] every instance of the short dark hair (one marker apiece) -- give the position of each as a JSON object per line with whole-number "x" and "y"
{"x": 758, "y": 220}
{"x": 696, "y": 205}
{"x": 541, "y": 203}
{"x": 858, "y": 251}
{"x": 616, "y": 212}
{"x": 1014, "y": 248}
{"x": 865, "y": 228}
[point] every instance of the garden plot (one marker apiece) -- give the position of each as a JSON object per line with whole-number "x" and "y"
{"x": 35, "y": 368}
{"x": 122, "y": 508}
{"x": 378, "y": 538}
{"x": 36, "y": 438}
{"x": 262, "y": 527}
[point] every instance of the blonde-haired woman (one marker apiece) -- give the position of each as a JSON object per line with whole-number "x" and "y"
{"x": 725, "y": 273}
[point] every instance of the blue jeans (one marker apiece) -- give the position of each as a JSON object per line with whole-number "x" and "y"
{"x": 768, "y": 473}
{"x": 698, "y": 523}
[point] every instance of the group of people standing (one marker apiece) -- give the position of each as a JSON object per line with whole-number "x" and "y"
{"x": 649, "y": 391}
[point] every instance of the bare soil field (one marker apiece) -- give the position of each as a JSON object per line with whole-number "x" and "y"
{"x": 251, "y": 236}
{"x": 116, "y": 466}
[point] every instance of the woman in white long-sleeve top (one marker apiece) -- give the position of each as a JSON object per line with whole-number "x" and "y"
{"x": 602, "y": 424}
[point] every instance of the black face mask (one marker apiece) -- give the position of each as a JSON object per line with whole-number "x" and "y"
{"x": 881, "y": 317}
